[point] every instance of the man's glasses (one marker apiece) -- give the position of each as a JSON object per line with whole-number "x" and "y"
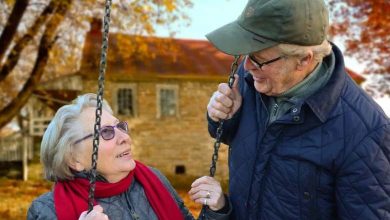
{"x": 260, "y": 65}
{"x": 108, "y": 132}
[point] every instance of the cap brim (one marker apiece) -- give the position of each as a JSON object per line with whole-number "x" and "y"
{"x": 235, "y": 40}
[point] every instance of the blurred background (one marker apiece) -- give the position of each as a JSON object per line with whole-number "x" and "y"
{"x": 161, "y": 72}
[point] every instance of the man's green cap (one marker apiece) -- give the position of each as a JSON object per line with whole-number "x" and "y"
{"x": 266, "y": 23}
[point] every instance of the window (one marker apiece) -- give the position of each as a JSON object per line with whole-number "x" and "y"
{"x": 167, "y": 101}
{"x": 125, "y": 102}
{"x": 124, "y": 99}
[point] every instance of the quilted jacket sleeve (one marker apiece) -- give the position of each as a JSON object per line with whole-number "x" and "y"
{"x": 229, "y": 128}
{"x": 363, "y": 182}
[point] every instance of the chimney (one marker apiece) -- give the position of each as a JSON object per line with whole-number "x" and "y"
{"x": 92, "y": 46}
{"x": 96, "y": 26}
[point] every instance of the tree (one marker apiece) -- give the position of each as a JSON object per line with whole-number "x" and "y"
{"x": 43, "y": 38}
{"x": 364, "y": 25}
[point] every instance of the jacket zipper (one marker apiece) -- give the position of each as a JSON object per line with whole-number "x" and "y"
{"x": 275, "y": 109}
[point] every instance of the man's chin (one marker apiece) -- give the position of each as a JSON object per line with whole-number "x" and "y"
{"x": 262, "y": 88}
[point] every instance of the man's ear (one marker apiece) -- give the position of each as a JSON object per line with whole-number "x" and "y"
{"x": 305, "y": 61}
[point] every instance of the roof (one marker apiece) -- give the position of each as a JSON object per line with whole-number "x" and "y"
{"x": 165, "y": 57}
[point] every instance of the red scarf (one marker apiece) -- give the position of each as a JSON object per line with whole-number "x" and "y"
{"x": 71, "y": 197}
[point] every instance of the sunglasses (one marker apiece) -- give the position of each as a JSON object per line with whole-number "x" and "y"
{"x": 260, "y": 65}
{"x": 108, "y": 132}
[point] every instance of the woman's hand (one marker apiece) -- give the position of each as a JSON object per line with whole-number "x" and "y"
{"x": 207, "y": 191}
{"x": 95, "y": 214}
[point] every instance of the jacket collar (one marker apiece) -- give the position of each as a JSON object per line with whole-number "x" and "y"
{"x": 331, "y": 91}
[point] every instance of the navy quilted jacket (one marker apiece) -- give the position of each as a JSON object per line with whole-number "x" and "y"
{"x": 327, "y": 158}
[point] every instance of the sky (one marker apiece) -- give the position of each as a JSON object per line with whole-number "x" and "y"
{"x": 207, "y": 15}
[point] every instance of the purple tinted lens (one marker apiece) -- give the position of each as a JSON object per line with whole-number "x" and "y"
{"x": 107, "y": 133}
{"x": 123, "y": 126}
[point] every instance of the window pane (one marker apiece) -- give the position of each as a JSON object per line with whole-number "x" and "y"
{"x": 125, "y": 102}
{"x": 167, "y": 102}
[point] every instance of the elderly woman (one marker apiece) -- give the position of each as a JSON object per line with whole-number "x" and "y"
{"x": 125, "y": 188}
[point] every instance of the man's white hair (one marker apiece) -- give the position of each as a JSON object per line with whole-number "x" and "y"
{"x": 319, "y": 51}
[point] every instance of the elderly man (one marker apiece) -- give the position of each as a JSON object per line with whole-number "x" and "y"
{"x": 305, "y": 141}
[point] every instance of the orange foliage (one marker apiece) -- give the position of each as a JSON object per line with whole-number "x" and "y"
{"x": 366, "y": 25}
{"x": 61, "y": 44}
{"x": 17, "y": 195}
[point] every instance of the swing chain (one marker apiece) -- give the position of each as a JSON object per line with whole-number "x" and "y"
{"x": 102, "y": 70}
{"x": 217, "y": 143}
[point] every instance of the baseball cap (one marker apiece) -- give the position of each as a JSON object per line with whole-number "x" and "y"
{"x": 266, "y": 23}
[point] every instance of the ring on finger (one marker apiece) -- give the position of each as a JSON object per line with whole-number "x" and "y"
{"x": 208, "y": 194}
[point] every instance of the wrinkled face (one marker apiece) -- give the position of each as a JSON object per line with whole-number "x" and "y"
{"x": 115, "y": 159}
{"x": 276, "y": 77}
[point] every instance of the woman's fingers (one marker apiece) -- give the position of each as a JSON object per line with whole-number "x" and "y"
{"x": 98, "y": 208}
{"x": 205, "y": 184}
{"x": 205, "y": 180}
{"x": 95, "y": 214}
{"x": 207, "y": 191}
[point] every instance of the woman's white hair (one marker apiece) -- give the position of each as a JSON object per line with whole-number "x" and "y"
{"x": 60, "y": 135}
{"x": 319, "y": 51}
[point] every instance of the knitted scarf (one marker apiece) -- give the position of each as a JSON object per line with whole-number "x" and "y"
{"x": 71, "y": 197}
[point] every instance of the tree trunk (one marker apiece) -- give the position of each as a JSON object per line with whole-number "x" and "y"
{"x": 11, "y": 26}
{"x": 45, "y": 45}
{"x": 21, "y": 43}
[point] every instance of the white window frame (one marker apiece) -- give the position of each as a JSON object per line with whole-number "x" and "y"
{"x": 175, "y": 89}
{"x": 116, "y": 88}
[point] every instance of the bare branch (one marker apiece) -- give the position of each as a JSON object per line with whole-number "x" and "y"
{"x": 45, "y": 46}
{"x": 20, "y": 44}
{"x": 12, "y": 25}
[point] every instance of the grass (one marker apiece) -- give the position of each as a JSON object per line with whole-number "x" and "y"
{"x": 17, "y": 195}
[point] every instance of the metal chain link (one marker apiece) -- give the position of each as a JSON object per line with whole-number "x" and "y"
{"x": 217, "y": 144}
{"x": 102, "y": 71}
